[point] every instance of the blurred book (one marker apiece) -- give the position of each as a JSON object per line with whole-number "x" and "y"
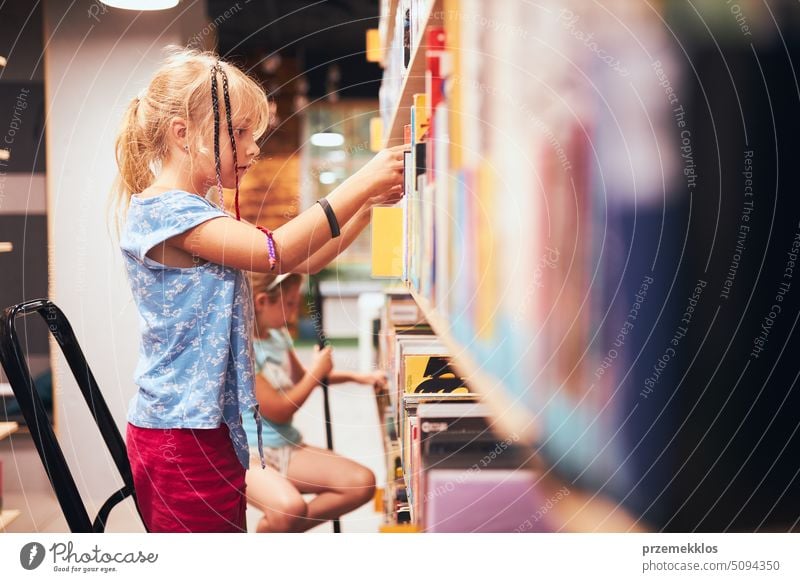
{"x": 387, "y": 241}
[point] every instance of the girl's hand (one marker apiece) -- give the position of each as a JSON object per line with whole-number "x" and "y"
{"x": 383, "y": 176}
{"x": 386, "y": 198}
{"x": 322, "y": 363}
{"x": 375, "y": 379}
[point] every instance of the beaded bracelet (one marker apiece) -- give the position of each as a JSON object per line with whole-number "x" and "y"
{"x": 273, "y": 257}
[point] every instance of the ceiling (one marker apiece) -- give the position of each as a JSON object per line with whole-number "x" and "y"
{"x": 316, "y": 33}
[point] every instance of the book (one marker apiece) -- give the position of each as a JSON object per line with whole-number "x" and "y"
{"x": 408, "y": 239}
{"x": 443, "y": 217}
{"x": 434, "y": 80}
{"x": 373, "y": 42}
{"x": 411, "y": 434}
{"x": 406, "y": 344}
{"x": 430, "y": 374}
{"x": 402, "y": 310}
{"x": 387, "y": 241}
{"x": 467, "y": 478}
{"x": 492, "y": 501}
{"x": 375, "y": 134}
{"x": 453, "y": 417}
{"x": 405, "y": 8}
{"x": 420, "y": 117}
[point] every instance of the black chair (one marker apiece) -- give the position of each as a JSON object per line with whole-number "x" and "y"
{"x": 55, "y": 465}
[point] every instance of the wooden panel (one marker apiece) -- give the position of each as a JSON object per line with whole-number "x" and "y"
{"x": 6, "y": 517}
{"x": 270, "y": 192}
{"x": 7, "y": 428}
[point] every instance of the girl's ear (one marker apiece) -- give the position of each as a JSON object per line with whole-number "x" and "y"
{"x": 260, "y": 300}
{"x": 177, "y": 132}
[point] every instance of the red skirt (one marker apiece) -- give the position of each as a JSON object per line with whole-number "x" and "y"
{"x": 187, "y": 480}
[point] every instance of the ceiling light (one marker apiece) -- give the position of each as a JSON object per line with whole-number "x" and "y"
{"x": 327, "y": 140}
{"x": 141, "y": 4}
{"x": 327, "y": 177}
{"x": 336, "y": 156}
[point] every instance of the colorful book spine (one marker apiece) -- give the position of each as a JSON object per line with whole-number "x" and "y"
{"x": 434, "y": 86}
{"x": 420, "y": 118}
{"x": 405, "y": 205}
{"x": 443, "y": 211}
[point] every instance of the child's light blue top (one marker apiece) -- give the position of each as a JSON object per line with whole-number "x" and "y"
{"x": 195, "y": 365}
{"x": 272, "y": 355}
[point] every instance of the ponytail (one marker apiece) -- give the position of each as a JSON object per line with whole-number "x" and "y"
{"x": 134, "y": 163}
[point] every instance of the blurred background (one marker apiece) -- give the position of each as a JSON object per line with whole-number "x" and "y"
{"x": 678, "y": 121}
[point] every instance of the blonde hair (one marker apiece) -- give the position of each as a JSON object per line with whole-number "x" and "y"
{"x": 181, "y": 87}
{"x": 262, "y": 281}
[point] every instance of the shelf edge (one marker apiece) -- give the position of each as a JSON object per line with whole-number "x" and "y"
{"x": 509, "y": 420}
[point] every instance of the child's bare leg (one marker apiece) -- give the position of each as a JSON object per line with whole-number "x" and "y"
{"x": 341, "y": 485}
{"x": 283, "y": 505}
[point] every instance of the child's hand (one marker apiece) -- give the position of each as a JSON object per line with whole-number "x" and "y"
{"x": 383, "y": 176}
{"x": 386, "y": 198}
{"x": 322, "y": 362}
{"x": 375, "y": 379}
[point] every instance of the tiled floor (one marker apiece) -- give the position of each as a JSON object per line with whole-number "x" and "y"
{"x": 356, "y": 435}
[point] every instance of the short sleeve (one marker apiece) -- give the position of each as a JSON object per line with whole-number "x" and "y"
{"x": 151, "y": 221}
{"x": 260, "y": 356}
{"x": 276, "y": 376}
{"x": 286, "y": 338}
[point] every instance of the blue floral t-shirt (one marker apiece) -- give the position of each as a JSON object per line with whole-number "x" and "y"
{"x": 195, "y": 366}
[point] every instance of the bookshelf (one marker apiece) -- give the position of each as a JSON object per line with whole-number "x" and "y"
{"x": 498, "y": 247}
{"x": 413, "y": 80}
{"x": 398, "y": 109}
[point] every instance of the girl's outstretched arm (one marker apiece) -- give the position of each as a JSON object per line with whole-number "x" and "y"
{"x": 350, "y": 231}
{"x": 334, "y": 247}
{"x": 371, "y": 378}
{"x": 297, "y": 371}
{"x": 236, "y": 244}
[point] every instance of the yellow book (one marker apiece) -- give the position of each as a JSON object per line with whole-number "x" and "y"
{"x": 374, "y": 50}
{"x": 399, "y": 528}
{"x": 376, "y": 134}
{"x": 431, "y": 374}
{"x": 387, "y": 241}
{"x": 420, "y": 116}
{"x": 487, "y": 293}
{"x": 452, "y": 27}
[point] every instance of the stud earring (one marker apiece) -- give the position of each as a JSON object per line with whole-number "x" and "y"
{"x": 185, "y": 147}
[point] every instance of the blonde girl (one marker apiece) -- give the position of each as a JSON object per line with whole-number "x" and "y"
{"x": 283, "y": 385}
{"x": 190, "y": 133}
